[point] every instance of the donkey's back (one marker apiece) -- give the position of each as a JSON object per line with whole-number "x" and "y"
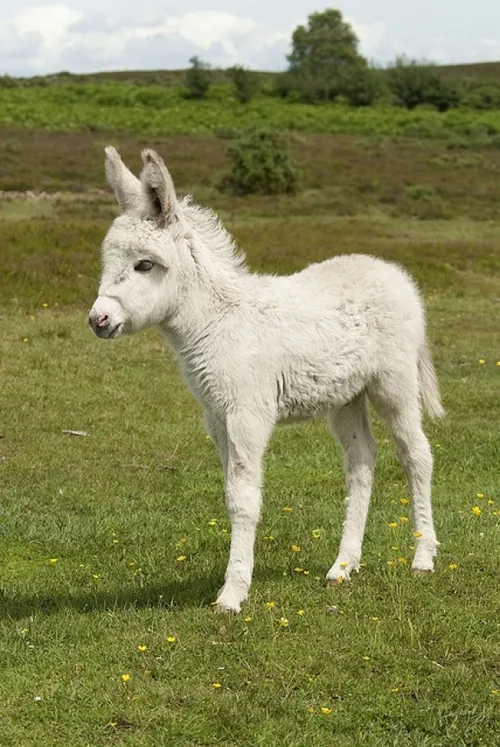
{"x": 323, "y": 335}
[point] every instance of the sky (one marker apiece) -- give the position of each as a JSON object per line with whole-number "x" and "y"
{"x": 40, "y": 36}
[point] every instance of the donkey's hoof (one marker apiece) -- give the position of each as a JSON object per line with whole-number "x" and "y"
{"x": 228, "y": 602}
{"x": 422, "y": 571}
{"x": 218, "y": 607}
{"x": 336, "y": 582}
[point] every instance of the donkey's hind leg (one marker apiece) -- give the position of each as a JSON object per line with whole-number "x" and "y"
{"x": 396, "y": 398}
{"x": 351, "y": 427}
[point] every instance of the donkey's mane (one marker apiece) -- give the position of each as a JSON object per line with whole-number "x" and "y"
{"x": 206, "y": 224}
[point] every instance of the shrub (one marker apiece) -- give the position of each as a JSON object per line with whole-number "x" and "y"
{"x": 284, "y": 85}
{"x": 260, "y": 164}
{"x": 420, "y": 192}
{"x": 198, "y": 79}
{"x": 245, "y": 83}
{"x": 6, "y": 81}
{"x": 414, "y": 83}
{"x": 483, "y": 97}
{"x": 361, "y": 85}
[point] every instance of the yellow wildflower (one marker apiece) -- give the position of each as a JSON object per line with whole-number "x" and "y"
{"x": 453, "y": 566}
{"x": 287, "y": 508}
{"x": 171, "y": 639}
{"x": 298, "y": 570}
{"x": 180, "y": 558}
{"x": 375, "y": 619}
{"x": 26, "y": 339}
{"x": 295, "y": 548}
{"x": 216, "y": 685}
{"x": 283, "y": 622}
{"x": 403, "y": 519}
{"x": 53, "y": 560}
{"x": 481, "y": 361}
{"x": 392, "y": 524}
{"x": 125, "y": 677}
{"x": 402, "y": 561}
{"x": 344, "y": 564}
{"x": 404, "y": 501}
{"x": 142, "y": 648}
{"x": 270, "y": 605}
{"x": 476, "y": 511}
{"x": 248, "y": 619}
{"x": 417, "y": 534}
{"x": 325, "y": 710}
{"x": 300, "y": 612}
{"x": 311, "y": 709}
{"x": 316, "y": 533}
{"x": 45, "y": 305}
{"x": 212, "y": 522}
{"x": 395, "y": 690}
{"x": 479, "y": 495}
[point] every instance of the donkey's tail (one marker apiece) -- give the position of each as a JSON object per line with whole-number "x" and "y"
{"x": 429, "y": 387}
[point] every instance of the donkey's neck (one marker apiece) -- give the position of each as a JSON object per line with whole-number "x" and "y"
{"x": 216, "y": 282}
{"x": 211, "y": 241}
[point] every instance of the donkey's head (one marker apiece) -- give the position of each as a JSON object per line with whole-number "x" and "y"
{"x": 145, "y": 255}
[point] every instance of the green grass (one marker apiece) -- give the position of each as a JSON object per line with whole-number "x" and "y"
{"x": 93, "y": 526}
{"x": 154, "y": 110}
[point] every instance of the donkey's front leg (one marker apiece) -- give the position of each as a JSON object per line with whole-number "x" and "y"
{"x": 246, "y": 440}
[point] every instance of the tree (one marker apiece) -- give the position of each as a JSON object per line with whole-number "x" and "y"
{"x": 245, "y": 83}
{"x": 198, "y": 79}
{"x": 321, "y": 53}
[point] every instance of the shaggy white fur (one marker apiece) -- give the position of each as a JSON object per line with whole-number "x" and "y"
{"x": 256, "y": 350}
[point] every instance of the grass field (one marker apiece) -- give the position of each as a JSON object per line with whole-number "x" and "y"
{"x": 115, "y": 543}
{"x": 119, "y": 107}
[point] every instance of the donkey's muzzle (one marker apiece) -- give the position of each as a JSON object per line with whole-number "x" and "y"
{"x": 102, "y": 325}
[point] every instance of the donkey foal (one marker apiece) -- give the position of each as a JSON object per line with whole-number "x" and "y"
{"x": 256, "y": 350}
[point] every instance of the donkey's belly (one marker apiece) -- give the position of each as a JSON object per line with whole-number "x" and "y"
{"x": 313, "y": 395}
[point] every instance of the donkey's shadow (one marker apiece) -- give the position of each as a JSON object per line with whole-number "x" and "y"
{"x": 169, "y": 597}
{"x": 174, "y": 595}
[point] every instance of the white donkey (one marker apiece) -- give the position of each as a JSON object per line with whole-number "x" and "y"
{"x": 258, "y": 349}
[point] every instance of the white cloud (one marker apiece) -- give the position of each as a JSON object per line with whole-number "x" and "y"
{"x": 98, "y": 42}
{"x": 40, "y": 36}
{"x": 373, "y": 37}
{"x": 488, "y": 49}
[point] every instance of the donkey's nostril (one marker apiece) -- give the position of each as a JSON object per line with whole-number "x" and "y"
{"x": 102, "y": 321}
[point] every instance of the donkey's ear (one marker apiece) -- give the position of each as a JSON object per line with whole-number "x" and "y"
{"x": 158, "y": 188}
{"x": 126, "y": 186}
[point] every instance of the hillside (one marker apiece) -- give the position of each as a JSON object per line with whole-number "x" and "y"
{"x": 485, "y": 72}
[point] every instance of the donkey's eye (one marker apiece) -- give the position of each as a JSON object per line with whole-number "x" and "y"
{"x": 143, "y": 266}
